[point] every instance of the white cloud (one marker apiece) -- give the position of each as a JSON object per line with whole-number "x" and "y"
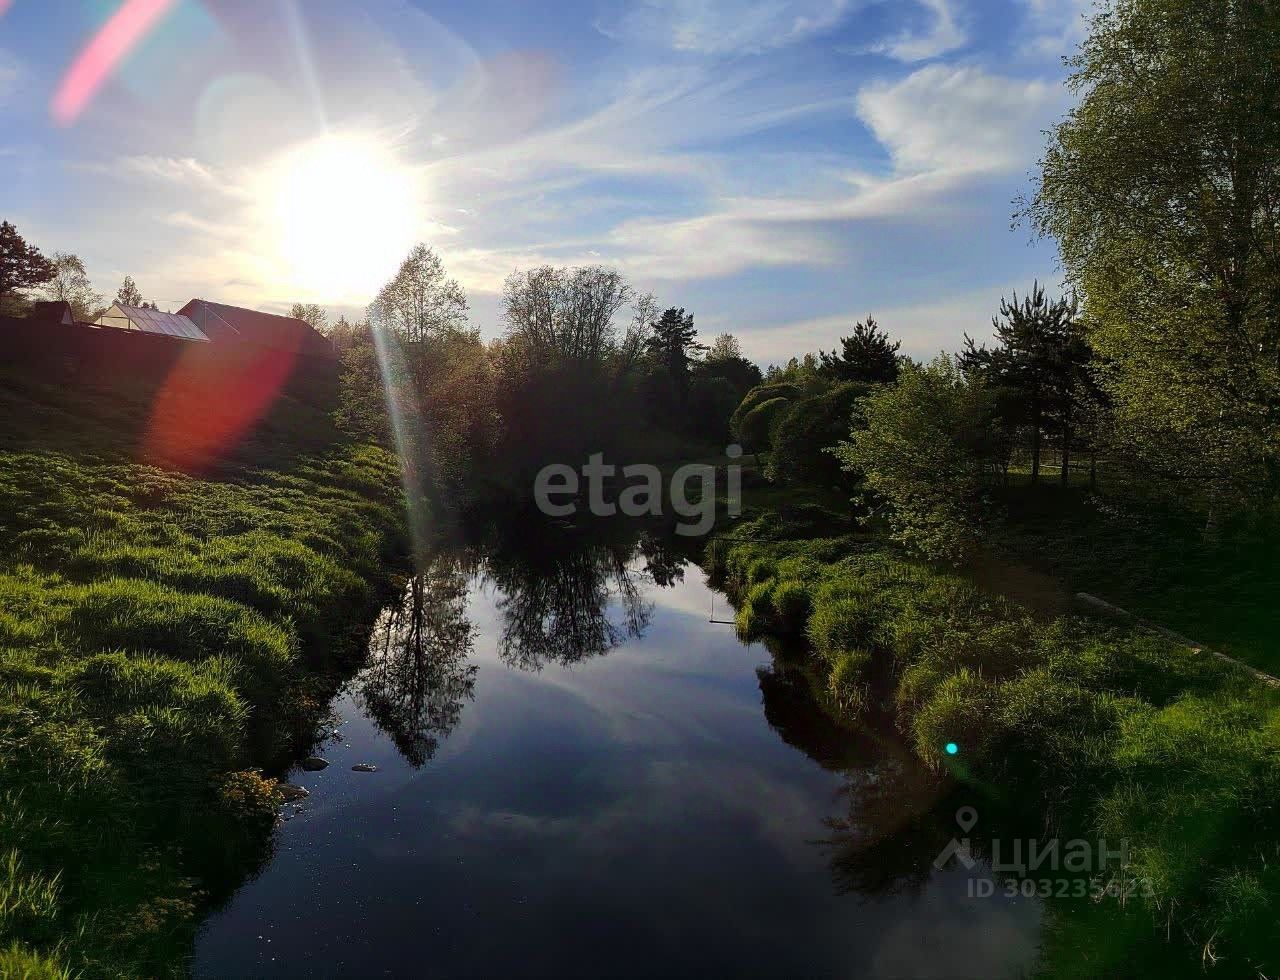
{"x": 1057, "y": 26}
{"x": 943, "y": 35}
{"x": 959, "y": 120}
{"x": 724, "y": 26}
{"x": 179, "y": 170}
{"x": 945, "y": 130}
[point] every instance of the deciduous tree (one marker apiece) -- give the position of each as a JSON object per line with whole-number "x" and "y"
{"x": 1160, "y": 188}
{"x": 421, "y": 301}
{"x": 312, "y": 314}
{"x": 70, "y": 284}
{"x": 927, "y": 449}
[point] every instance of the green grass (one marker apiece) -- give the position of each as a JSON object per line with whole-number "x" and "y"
{"x": 1220, "y": 592}
{"x": 160, "y": 635}
{"x": 1101, "y": 731}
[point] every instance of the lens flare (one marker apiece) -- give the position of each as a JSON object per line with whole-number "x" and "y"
{"x": 102, "y": 55}
{"x": 400, "y": 398}
{"x": 211, "y": 400}
{"x": 952, "y": 748}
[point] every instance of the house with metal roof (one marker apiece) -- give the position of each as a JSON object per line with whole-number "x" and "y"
{"x": 146, "y": 320}
{"x": 233, "y": 324}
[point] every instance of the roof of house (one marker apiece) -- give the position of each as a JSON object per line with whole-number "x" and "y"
{"x": 51, "y": 311}
{"x": 123, "y": 317}
{"x": 254, "y": 326}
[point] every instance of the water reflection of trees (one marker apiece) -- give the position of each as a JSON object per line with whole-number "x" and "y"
{"x": 572, "y": 598}
{"x": 893, "y": 825}
{"x": 418, "y": 676}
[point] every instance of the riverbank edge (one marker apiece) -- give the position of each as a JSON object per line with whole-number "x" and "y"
{"x": 159, "y": 683}
{"x": 1095, "y": 720}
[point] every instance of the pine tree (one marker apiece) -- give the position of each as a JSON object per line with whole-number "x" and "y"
{"x": 673, "y": 343}
{"x": 21, "y": 265}
{"x": 129, "y": 294}
{"x": 1039, "y": 367}
{"x": 867, "y": 357}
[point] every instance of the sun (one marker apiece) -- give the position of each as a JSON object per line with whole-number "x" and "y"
{"x": 341, "y": 212}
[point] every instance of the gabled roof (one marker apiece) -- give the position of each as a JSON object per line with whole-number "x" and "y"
{"x": 255, "y": 327}
{"x": 51, "y": 311}
{"x": 150, "y": 321}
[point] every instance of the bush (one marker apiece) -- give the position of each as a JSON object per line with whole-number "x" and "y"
{"x": 926, "y": 448}
{"x": 804, "y": 433}
{"x": 757, "y": 426}
{"x": 756, "y": 397}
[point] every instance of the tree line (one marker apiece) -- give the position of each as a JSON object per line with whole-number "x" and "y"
{"x": 586, "y": 363}
{"x": 28, "y": 276}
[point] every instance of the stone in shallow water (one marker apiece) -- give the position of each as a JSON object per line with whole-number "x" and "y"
{"x": 291, "y": 792}
{"x": 314, "y": 764}
{"x": 363, "y": 767}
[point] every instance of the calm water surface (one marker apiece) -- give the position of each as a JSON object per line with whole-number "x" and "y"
{"x": 580, "y": 775}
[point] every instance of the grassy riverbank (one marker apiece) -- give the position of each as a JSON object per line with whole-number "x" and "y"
{"x": 1109, "y": 733}
{"x": 160, "y": 635}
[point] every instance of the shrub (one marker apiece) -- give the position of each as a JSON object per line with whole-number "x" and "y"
{"x": 926, "y": 448}
{"x": 804, "y": 433}
{"x": 758, "y": 396}
{"x": 757, "y": 426}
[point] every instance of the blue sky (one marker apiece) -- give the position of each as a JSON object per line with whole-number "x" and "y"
{"x": 779, "y": 167}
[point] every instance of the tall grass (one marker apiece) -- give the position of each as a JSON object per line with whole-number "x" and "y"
{"x": 1117, "y": 734}
{"x": 160, "y": 634}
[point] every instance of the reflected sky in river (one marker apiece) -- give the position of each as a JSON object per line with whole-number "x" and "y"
{"x": 579, "y": 775}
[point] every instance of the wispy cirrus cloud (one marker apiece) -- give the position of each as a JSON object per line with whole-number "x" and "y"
{"x": 174, "y": 170}
{"x": 722, "y": 26}
{"x": 1057, "y": 26}
{"x": 941, "y": 33}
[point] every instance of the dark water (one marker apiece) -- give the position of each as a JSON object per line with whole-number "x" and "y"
{"x": 580, "y": 775}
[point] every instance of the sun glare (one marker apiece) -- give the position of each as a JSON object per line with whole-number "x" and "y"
{"x": 344, "y": 212}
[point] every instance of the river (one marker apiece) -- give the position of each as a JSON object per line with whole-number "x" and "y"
{"x": 578, "y": 774}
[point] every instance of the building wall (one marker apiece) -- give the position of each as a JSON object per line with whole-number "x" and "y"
{"x": 81, "y": 354}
